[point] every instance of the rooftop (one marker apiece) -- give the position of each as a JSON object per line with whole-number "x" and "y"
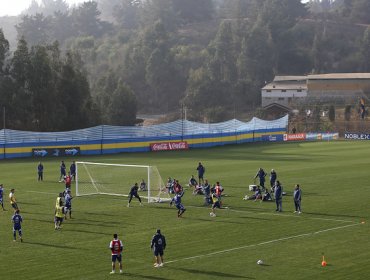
{"x": 286, "y": 86}
{"x": 337, "y": 76}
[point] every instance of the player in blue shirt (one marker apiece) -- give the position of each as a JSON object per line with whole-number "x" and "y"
{"x": 40, "y": 171}
{"x": 261, "y": 174}
{"x": 133, "y": 193}
{"x": 2, "y": 196}
{"x": 17, "y": 220}
{"x": 72, "y": 170}
{"x": 177, "y": 201}
{"x": 68, "y": 204}
{"x": 62, "y": 171}
{"x": 201, "y": 170}
{"x": 158, "y": 245}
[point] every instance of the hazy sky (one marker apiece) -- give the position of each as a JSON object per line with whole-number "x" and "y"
{"x": 15, "y": 7}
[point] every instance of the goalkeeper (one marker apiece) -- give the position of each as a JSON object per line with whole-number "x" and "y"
{"x": 134, "y": 193}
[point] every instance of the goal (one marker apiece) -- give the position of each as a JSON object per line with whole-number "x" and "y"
{"x": 117, "y": 179}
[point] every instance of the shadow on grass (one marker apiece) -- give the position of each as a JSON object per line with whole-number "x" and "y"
{"x": 213, "y": 274}
{"x": 52, "y": 245}
{"x": 133, "y": 276}
{"x": 100, "y": 214}
{"x": 85, "y": 231}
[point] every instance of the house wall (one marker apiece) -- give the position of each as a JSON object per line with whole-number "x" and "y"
{"x": 281, "y": 97}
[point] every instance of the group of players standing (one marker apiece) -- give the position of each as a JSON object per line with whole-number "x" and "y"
{"x": 277, "y": 190}
{"x": 63, "y": 204}
{"x": 16, "y": 218}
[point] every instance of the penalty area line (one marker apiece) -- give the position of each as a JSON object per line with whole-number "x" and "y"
{"x": 262, "y": 243}
{"x": 42, "y": 192}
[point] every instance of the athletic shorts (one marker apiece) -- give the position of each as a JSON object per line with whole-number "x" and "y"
{"x": 14, "y": 205}
{"x": 180, "y": 207}
{"x": 216, "y": 205}
{"x": 116, "y": 258}
{"x": 58, "y": 219}
{"x": 158, "y": 252}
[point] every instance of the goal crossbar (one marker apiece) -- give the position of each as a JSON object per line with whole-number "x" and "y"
{"x": 117, "y": 179}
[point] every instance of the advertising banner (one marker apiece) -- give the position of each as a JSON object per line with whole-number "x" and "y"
{"x": 56, "y": 152}
{"x": 272, "y": 138}
{"x": 295, "y": 137}
{"x": 167, "y": 146}
{"x": 356, "y": 136}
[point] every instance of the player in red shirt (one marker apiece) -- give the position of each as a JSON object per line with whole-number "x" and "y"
{"x": 68, "y": 180}
{"x": 116, "y": 247}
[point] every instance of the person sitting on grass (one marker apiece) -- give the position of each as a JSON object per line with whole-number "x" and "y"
{"x": 169, "y": 185}
{"x": 266, "y": 196}
{"x": 193, "y": 182}
{"x": 257, "y": 195}
{"x": 143, "y": 185}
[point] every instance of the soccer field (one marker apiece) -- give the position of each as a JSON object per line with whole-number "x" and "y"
{"x": 334, "y": 177}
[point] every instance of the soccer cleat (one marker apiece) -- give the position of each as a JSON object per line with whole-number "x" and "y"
{"x": 160, "y": 265}
{"x": 299, "y": 212}
{"x": 14, "y": 240}
{"x": 156, "y": 265}
{"x": 112, "y": 272}
{"x": 121, "y": 271}
{"x": 128, "y": 205}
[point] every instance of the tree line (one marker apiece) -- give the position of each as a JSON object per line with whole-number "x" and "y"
{"x": 104, "y": 61}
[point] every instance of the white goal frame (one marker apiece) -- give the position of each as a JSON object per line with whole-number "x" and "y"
{"x": 157, "y": 198}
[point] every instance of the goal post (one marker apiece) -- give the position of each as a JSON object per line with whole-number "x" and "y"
{"x": 117, "y": 179}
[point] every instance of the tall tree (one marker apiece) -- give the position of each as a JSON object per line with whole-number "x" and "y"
{"x": 4, "y": 50}
{"x": 41, "y": 88}
{"x": 193, "y": 10}
{"x": 365, "y": 50}
{"x": 35, "y": 29}
{"x": 222, "y": 61}
{"x": 123, "y": 106}
{"x": 87, "y": 22}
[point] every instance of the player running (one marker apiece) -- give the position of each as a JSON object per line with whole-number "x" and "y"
{"x": 177, "y": 201}
{"x": 12, "y": 199}
{"x": 68, "y": 204}
{"x": 216, "y": 199}
{"x": 59, "y": 215}
{"x": 116, "y": 247}
{"x": 133, "y": 193}
{"x": 17, "y": 221}
{"x": 2, "y": 196}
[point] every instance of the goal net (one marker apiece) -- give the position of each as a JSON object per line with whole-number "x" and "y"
{"x": 117, "y": 179}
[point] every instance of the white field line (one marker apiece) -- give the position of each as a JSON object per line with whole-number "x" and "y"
{"x": 281, "y": 215}
{"x": 42, "y": 192}
{"x": 263, "y": 243}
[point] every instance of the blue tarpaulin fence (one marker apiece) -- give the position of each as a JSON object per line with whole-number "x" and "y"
{"x": 110, "y": 139}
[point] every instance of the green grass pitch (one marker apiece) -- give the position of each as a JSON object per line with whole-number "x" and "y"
{"x": 334, "y": 177}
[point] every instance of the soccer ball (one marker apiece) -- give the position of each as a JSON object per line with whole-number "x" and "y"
{"x": 212, "y": 214}
{"x": 260, "y": 262}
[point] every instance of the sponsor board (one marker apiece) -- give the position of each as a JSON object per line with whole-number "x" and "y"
{"x": 272, "y": 138}
{"x": 295, "y": 137}
{"x": 167, "y": 146}
{"x": 56, "y": 152}
{"x": 356, "y": 136}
